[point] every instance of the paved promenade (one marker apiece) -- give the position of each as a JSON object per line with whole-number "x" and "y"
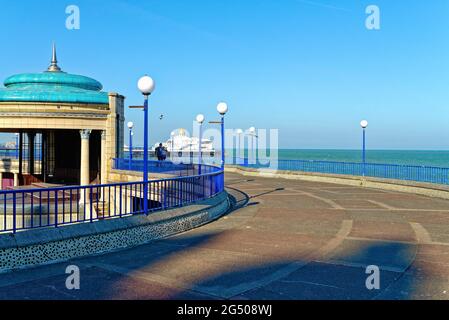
{"x": 285, "y": 240}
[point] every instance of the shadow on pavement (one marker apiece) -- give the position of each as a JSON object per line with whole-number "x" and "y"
{"x": 191, "y": 267}
{"x": 229, "y": 264}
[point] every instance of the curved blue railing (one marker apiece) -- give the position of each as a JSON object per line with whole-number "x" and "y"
{"x": 428, "y": 174}
{"x": 154, "y": 166}
{"x": 166, "y": 167}
{"x": 23, "y": 209}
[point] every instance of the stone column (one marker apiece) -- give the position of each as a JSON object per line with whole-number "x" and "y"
{"x": 84, "y": 167}
{"x": 16, "y": 179}
{"x": 103, "y": 167}
{"x": 115, "y": 128}
{"x": 85, "y": 174}
{"x": 20, "y": 152}
{"x": 50, "y": 152}
{"x": 44, "y": 156}
{"x": 104, "y": 160}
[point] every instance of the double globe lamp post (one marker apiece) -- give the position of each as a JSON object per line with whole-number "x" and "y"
{"x": 172, "y": 142}
{"x": 222, "y": 108}
{"x": 200, "y": 120}
{"x": 252, "y": 152}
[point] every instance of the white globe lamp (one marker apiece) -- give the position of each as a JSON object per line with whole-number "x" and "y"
{"x": 146, "y": 85}
{"x": 222, "y": 108}
{"x": 200, "y": 118}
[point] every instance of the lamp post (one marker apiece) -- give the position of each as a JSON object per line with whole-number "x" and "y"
{"x": 252, "y": 133}
{"x": 239, "y": 135}
{"x": 222, "y": 108}
{"x": 146, "y": 86}
{"x": 172, "y": 139}
{"x": 200, "y": 120}
{"x": 364, "y": 125}
{"x": 130, "y": 127}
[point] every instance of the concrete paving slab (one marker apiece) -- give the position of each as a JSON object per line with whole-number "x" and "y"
{"x": 305, "y": 291}
{"x": 378, "y": 215}
{"x": 412, "y": 287}
{"x": 270, "y": 249}
{"x": 356, "y": 203}
{"x": 338, "y": 276}
{"x": 393, "y": 231}
{"x": 95, "y": 283}
{"x": 391, "y": 256}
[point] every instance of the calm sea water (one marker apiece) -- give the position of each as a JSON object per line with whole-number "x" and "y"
{"x": 410, "y": 157}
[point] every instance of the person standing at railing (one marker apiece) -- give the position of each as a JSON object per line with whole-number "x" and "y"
{"x": 164, "y": 153}
{"x": 161, "y": 153}
{"x": 158, "y": 151}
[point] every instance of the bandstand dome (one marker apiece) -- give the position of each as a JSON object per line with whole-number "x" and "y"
{"x": 53, "y": 86}
{"x": 67, "y": 129}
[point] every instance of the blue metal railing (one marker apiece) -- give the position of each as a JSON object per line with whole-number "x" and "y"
{"x": 23, "y": 209}
{"x": 9, "y": 153}
{"x": 166, "y": 167}
{"x": 154, "y": 166}
{"x": 437, "y": 175}
{"x": 6, "y": 153}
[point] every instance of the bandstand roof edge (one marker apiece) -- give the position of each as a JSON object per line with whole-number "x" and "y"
{"x": 54, "y": 86}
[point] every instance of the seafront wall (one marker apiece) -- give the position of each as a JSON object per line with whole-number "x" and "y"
{"x": 427, "y": 189}
{"x": 50, "y": 245}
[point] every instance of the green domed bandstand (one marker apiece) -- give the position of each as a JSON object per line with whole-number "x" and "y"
{"x": 69, "y": 129}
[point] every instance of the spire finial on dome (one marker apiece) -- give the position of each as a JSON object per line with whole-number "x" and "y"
{"x": 54, "y": 61}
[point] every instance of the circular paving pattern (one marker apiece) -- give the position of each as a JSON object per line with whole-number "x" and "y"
{"x": 285, "y": 239}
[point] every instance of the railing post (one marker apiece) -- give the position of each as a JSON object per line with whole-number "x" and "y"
{"x": 56, "y": 208}
{"x": 181, "y": 194}
{"x": 91, "y": 206}
{"x": 165, "y": 195}
{"x": 14, "y": 226}
{"x": 211, "y": 179}
{"x": 120, "y": 201}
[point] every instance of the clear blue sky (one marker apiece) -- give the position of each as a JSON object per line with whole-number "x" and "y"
{"x": 307, "y": 67}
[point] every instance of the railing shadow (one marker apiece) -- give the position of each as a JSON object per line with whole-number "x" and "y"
{"x": 234, "y": 182}
{"x": 267, "y": 192}
{"x": 184, "y": 267}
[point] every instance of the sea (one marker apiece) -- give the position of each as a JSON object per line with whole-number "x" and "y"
{"x": 407, "y": 157}
{"x": 430, "y": 158}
